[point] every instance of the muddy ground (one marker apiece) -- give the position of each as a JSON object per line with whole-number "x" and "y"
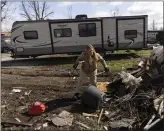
{"x": 49, "y": 83}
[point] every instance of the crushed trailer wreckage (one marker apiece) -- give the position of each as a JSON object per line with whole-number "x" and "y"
{"x": 135, "y": 100}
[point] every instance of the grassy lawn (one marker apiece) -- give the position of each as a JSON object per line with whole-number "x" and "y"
{"x": 116, "y": 64}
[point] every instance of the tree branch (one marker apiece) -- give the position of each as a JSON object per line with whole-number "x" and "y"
{"x": 48, "y": 14}
{"x": 38, "y": 10}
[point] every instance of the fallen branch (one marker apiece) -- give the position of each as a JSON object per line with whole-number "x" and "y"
{"x": 160, "y": 110}
{"x": 147, "y": 127}
{"x": 90, "y": 115}
{"x": 81, "y": 124}
{"x": 15, "y": 123}
{"x": 102, "y": 110}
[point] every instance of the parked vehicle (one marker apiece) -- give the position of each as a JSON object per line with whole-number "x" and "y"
{"x": 5, "y": 44}
{"x": 155, "y": 36}
{"x": 44, "y": 37}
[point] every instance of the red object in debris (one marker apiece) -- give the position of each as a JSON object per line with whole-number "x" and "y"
{"x": 36, "y": 109}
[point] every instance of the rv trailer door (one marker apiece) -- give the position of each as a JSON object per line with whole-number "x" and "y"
{"x": 130, "y": 33}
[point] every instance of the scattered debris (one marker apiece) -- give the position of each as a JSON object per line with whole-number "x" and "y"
{"x": 90, "y": 115}
{"x": 102, "y": 86}
{"x": 3, "y": 106}
{"x": 63, "y": 119}
{"x": 15, "y": 123}
{"x": 38, "y": 127}
{"x": 107, "y": 99}
{"x": 109, "y": 116}
{"x": 106, "y": 128}
{"x": 74, "y": 78}
{"x": 37, "y": 108}
{"x": 16, "y": 90}
{"x": 45, "y": 124}
{"x": 106, "y": 113}
{"x": 83, "y": 125}
{"x": 147, "y": 127}
{"x": 102, "y": 110}
{"x": 27, "y": 93}
{"x": 17, "y": 119}
{"x": 19, "y": 87}
{"x": 123, "y": 123}
{"x": 21, "y": 109}
{"x": 129, "y": 80}
{"x": 160, "y": 110}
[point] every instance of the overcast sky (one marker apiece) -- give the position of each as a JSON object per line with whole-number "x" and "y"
{"x": 154, "y": 10}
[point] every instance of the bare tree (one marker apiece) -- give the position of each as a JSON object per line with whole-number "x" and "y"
{"x": 153, "y": 25}
{"x": 4, "y": 10}
{"x": 69, "y": 11}
{"x": 115, "y": 11}
{"x": 35, "y": 10}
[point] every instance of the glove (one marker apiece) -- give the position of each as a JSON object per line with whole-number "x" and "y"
{"x": 106, "y": 69}
{"x": 75, "y": 66}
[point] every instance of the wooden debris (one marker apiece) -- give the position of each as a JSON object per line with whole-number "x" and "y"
{"x": 109, "y": 116}
{"x": 16, "y": 90}
{"x": 90, "y": 115}
{"x": 81, "y": 124}
{"x": 102, "y": 110}
{"x": 17, "y": 119}
{"x": 19, "y": 87}
{"x": 28, "y": 93}
{"x": 152, "y": 118}
{"x": 106, "y": 128}
{"x": 15, "y": 123}
{"x": 160, "y": 109}
{"x": 147, "y": 127}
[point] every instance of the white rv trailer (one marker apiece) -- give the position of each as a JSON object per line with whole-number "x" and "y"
{"x": 154, "y": 36}
{"x": 44, "y": 37}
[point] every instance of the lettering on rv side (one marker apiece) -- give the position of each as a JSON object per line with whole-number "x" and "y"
{"x": 61, "y": 26}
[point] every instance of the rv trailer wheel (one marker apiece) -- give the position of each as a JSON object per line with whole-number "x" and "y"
{"x": 34, "y": 57}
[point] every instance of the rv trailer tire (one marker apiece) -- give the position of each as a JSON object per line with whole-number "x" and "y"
{"x": 34, "y": 57}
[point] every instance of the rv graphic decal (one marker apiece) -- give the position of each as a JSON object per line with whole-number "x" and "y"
{"x": 139, "y": 33}
{"x": 61, "y": 26}
{"x": 44, "y": 44}
{"x": 14, "y": 29}
{"x": 17, "y": 41}
{"x": 41, "y": 44}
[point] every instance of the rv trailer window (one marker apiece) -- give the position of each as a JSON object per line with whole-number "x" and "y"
{"x": 87, "y": 29}
{"x": 66, "y": 32}
{"x": 130, "y": 34}
{"x": 30, "y": 35}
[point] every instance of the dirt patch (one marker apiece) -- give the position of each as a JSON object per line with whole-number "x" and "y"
{"x": 48, "y": 85}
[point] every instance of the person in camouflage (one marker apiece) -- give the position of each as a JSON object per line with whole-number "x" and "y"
{"x": 89, "y": 60}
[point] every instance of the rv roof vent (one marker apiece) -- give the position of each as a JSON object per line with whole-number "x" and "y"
{"x": 81, "y": 17}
